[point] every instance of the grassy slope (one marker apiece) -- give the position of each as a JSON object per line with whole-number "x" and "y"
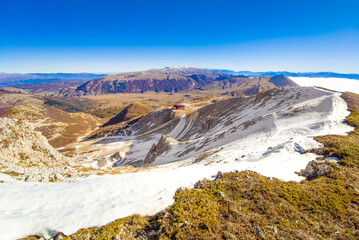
{"x": 73, "y": 105}
{"x": 247, "y": 205}
{"x": 134, "y": 110}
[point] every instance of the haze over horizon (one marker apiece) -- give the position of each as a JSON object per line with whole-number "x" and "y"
{"x": 121, "y": 36}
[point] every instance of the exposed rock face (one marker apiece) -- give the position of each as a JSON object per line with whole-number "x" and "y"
{"x": 154, "y": 120}
{"x": 315, "y": 169}
{"x": 163, "y": 145}
{"x": 209, "y": 123}
{"x": 201, "y": 182}
{"x": 118, "y": 156}
{"x": 112, "y": 130}
{"x": 263, "y": 96}
{"x": 26, "y": 155}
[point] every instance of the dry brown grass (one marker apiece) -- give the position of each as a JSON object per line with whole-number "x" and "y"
{"x": 152, "y": 99}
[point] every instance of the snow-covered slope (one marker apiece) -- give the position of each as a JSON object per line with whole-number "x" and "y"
{"x": 275, "y": 113}
{"x": 266, "y": 134}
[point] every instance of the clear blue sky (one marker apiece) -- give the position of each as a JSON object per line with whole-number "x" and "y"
{"x": 126, "y": 35}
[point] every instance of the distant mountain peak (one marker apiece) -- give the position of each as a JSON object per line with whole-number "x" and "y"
{"x": 178, "y": 67}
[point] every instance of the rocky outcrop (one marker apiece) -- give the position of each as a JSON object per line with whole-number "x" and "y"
{"x": 26, "y": 154}
{"x": 163, "y": 145}
{"x": 118, "y": 156}
{"x": 208, "y": 123}
{"x": 315, "y": 169}
{"x": 201, "y": 182}
{"x": 153, "y": 120}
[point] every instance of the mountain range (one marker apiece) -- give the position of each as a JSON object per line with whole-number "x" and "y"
{"x": 290, "y": 74}
{"x": 144, "y": 154}
{"x": 27, "y": 80}
{"x": 174, "y": 79}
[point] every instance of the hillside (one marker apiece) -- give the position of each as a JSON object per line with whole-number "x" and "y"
{"x": 247, "y": 205}
{"x": 281, "y": 80}
{"x": 185, "y": 148}
{"x": 169, "y": 79}
{"x": 134, "y": 110}
{"x": 58, "y": 126}
{"x": 26, "y": 155}
{"x": 48, "y": 88}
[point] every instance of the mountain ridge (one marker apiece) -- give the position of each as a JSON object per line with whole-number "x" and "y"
{"x": 170, "y": 79}
{"x": 290, "y": 74}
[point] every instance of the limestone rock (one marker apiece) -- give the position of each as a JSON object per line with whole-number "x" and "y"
{"x": 163, "y": 145}
{"x": 208, "y": 123}
{"x": 201, "y": 182}
{"x": 118, "y": 156}
{"x": 315, "y": 169}
{"x": 219, "y": 175}
{"x": 26, "y": 154}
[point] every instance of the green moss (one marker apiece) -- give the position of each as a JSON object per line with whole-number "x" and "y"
{"x": 125, "y": 228}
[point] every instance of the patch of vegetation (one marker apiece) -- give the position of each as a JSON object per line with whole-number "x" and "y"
{"x": 63, "y": 105}
{"x": 105, "y": 112}
{"x": 81, "y": 105}
{"x": 246, "y": 205}
{"x": 21, "y": 113}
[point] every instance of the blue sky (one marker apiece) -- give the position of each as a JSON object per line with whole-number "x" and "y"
{"x": 127, "y": 35}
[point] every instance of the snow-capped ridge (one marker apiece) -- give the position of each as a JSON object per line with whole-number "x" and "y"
{"x": 178, "y": 67}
